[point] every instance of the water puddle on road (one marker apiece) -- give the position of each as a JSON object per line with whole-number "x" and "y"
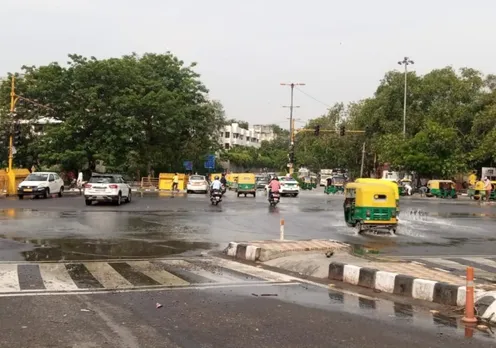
{"x": 66, "y": 249}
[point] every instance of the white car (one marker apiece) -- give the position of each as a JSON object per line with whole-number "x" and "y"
{"x": 107, "y": 188}
{"x": 289, "y": 187}
{"x": 41, "y": 184}
{"x": 197, "y": 183}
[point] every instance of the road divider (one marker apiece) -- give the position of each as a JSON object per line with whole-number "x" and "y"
{"x": 272, "y": 249}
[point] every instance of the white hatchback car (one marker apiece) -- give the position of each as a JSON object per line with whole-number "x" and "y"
{"x": 41, "y": 184}
{"x": 107, "y": 188}
{"x": 197, "y": 183}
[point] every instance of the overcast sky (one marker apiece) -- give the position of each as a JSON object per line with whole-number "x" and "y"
{"x": 340, "y": 49}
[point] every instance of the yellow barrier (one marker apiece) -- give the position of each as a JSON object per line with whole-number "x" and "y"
{"x": 165, "y": 181}
{"x": 20, "y": 175}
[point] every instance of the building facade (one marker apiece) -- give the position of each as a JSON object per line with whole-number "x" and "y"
{"x": 232, "y": 135}
{"x": 264, "y": 131}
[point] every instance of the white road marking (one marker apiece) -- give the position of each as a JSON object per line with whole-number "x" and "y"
{"x": 9, "y": 281}
{"x": 107, "y": 275}
{"x": 56, "y": 277}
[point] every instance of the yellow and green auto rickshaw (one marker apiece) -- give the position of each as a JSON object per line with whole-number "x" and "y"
{"x": 478, "y": 191}
{"x": 441, "y": 189}
{"x": 370, "y": 206}
{"x": 335, "y": 184}
{"x": 247, "y": 184}
{"x": 231, "y": 180}
{"x": 387, "y": 182}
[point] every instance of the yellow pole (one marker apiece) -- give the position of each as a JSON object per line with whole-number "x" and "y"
{"x": 11, "y": 188}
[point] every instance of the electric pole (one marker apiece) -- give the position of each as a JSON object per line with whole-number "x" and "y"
{"x": 291, "y": 125}
{"x": 406, "y": 62}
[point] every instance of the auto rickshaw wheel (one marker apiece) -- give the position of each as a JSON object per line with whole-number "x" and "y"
{"x": 358, "y": 227}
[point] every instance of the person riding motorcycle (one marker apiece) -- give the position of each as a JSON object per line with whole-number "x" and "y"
{"x": 223, "y": 182}
{"x": 216, "y": 185}
{"x": 274, "y": 186}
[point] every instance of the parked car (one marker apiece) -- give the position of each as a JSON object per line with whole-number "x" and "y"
{"x": 197, "y": 183}
{"x": 41, "y": 184}
{"x": 107, "y": 188}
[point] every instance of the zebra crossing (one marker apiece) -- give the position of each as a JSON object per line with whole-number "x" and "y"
{"x": 484, "y": 265}
{"x": 57, "y": 277}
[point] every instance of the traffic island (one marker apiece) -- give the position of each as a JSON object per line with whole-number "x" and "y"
{"x": 272, "y": 249}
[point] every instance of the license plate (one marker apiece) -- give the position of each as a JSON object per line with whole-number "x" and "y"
{"x": 28, "y": 190}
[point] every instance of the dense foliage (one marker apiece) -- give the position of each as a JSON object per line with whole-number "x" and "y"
{"x": 450, "y": 126}
{"x": 135, "y": 114}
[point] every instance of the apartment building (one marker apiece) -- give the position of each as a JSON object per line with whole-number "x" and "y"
{"x": 233, "y": 134}
{"x": 264, "y": 131}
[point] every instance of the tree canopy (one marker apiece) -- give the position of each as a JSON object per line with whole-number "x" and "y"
{"x": 450, "y": 126}
{"x": 134, "y": 113}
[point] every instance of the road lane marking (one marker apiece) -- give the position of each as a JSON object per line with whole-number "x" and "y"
{"x": 9, "y": 281}
{"x": 156, "y": 273}
{"x": 106, "y": 275}
{"x": 56, "y": 277}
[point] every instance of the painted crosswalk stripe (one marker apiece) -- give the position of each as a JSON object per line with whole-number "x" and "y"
{"x": 184, "y": 270}
{"x": 107, "y": 276}
{"x": 134, "y": 277}
{"x": 30, "y": 277}
{"x": 484, "y": 261}
{"x": 82, "y": 277}
{"x": 234, "y": 275}
{"x": 474, "y": 264}
{"x": 157, "y": 273}
{"x": 443, "y": 265}
{"x": 9, "y": 280}
{"x": 55, "y": 277}
{"x": 199, "y": 269}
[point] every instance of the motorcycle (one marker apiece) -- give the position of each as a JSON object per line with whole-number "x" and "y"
{"x": 274, "y": 199}
{"x": 216, "y": 197}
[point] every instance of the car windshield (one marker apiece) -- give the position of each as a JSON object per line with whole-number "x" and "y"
{"x": 103, "y": 179}
{"x": 37, "y": 177}
{"x": 196, "y": 177}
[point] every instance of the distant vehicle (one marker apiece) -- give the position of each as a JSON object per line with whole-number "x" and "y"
{"x": 197, "y": 183}
{"x": 262, "y": 182}
{"x": 324, "y": 175}
{"x": 107, "y": 188}
{"x": 289, "y": 187}
{"x": 41, "y": 184}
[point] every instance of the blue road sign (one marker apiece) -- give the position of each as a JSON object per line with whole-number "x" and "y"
{"x": 188, "y": 165}
{"x": 210, "y": 162}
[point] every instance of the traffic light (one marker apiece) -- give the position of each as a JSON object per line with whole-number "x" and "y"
{"x": 317, "y": 130}
{"x": 291, "y": 157}
{"x": 17, "y": 134}
{"x": 342, "y": 131}
{"x": 4, "y": 138}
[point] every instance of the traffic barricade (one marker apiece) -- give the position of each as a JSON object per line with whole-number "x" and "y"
{"x": 165, "y": 181}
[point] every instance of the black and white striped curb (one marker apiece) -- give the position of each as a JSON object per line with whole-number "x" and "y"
{"x": 243, "y": 251}
{"x": 399, "y": 284}
{"x": 485, "y": 305}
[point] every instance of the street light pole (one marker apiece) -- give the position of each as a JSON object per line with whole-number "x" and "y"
{"x": 406, "y": 61}
{"x": 291, "y": 128}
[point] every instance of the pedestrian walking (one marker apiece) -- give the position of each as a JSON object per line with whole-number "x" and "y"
{"x": 488, "y": 188}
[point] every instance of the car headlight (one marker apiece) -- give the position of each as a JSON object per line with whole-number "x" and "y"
{"x": 42, "y": 185}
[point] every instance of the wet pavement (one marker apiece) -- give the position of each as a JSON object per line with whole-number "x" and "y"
{"x": 278, "y": 315}
{"x": 158, "y": 226}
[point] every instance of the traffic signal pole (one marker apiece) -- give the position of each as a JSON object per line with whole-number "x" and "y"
{"x": 11, "y": 187}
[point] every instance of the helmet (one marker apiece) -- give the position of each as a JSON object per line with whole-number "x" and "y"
{"x": 223, "y": 174}
{"x": 216, "y": 177}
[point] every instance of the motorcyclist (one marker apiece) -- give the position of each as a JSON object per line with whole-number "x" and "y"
{"x": 274, "y": 186}
{"x": 223, "y": 181}
{"x": 216, "y": 185}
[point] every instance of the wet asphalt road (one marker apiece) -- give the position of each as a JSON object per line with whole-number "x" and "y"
{"x": 298, "y": 316}
{"x": 157, "y": 226}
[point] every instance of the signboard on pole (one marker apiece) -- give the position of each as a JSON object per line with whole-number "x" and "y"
{"x": 210, "y": 162}
{"x": 188, "y": 165}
